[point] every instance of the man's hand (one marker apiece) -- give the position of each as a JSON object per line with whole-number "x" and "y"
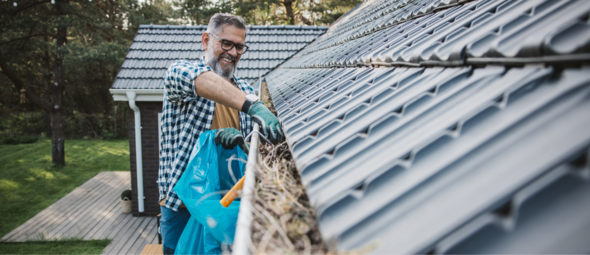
{"x": 229, "y": 138}
{"x": 269, "y": 123}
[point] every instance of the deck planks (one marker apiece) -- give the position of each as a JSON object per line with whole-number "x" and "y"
{"x": 92, "y": 211}
{"x": 146, "y": 237}
{"x": 117, "y": 244}
{"x": 93, "y": 201}
{"x": 48, "y": 214}
{"x": 135, "y": 236}
{"x": 152, "y": 249}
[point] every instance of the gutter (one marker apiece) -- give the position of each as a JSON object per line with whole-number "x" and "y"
{"x": 244, "y": 224}
{"x": 138, "y": 150}
{"x": 141, "y": 95}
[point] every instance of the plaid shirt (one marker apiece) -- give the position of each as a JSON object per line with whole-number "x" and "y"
{"x": 185, "y": 115}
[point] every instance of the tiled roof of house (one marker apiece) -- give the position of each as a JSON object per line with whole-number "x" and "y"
{"x": 156, "y": 46}
{"x": 445, "y": 126}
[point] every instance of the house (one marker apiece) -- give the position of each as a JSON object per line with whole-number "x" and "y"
{"x": 141, "y": 78}
{"x": 445, "y": 126}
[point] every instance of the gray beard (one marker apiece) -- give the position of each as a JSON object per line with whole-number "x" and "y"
{"x": 213, "y": 62}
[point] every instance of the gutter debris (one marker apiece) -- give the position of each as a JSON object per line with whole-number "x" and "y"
{"x": 283, "y": 220}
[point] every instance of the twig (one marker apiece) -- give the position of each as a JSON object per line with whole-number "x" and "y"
{"x": 266, "y": 238}
{"x": 276, "y": 225}
{"x": 281, "y": 204}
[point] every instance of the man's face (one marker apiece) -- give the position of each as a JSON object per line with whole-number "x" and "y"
{"x": 223, "y": 62}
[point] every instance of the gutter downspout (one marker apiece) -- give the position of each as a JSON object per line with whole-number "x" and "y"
{"x": 244, "y": 224}
{"x": 138, "y": 151}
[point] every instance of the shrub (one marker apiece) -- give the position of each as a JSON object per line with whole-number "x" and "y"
{"x": 19, "y": 139}
{"x": 126, "y": 194}
{"x": 25, "y": 123}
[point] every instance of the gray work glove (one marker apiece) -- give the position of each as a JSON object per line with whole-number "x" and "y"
{"x": 229, "y": 138}
{"x": 271, "y": 128}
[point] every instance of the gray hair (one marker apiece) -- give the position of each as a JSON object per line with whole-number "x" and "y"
{"x": 219, "y": 20}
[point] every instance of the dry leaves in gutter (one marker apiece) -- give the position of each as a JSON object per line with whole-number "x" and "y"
{"x": 283, "y": 220}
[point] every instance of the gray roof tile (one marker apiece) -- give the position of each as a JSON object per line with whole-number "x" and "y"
{"x": 156, "y": 46}
{"x": 516, "y": 32}
{"x": 428, "y": 153}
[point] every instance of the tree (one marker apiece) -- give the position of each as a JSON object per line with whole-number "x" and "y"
{"x": 63, "y": 55}
{"x": 288, "y": 6}
{"x": 152, "y": 12}
{"x": 53, "y": 26}
{"x": 36, "y": 46}
{"x": 292, "y": 12}
{"x": 193, "y": 11}
{"x": 328, "y": 11}
{"x": 198, "y": 12}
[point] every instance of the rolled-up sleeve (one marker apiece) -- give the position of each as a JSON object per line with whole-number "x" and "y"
{"x": 179, "y": 80}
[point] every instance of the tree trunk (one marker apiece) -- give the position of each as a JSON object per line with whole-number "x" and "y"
{"x": 288, "y": 6}
{"x": 56, "y": 114}
{"x": 56, "y": 89}
{"x": 48, "y": 128}
{"x": 47, "y": 82}
{"x": 57, "y": 139}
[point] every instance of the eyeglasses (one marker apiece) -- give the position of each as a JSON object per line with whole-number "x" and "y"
{"x": 228, "y": 45}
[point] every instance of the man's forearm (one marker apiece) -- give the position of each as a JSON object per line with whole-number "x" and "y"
{"x": 214, "y": 87}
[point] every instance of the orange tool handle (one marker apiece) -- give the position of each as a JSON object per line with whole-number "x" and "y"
{"x": 232, "y": 194}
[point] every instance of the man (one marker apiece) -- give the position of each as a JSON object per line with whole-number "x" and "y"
{"x": 195, "y": 101}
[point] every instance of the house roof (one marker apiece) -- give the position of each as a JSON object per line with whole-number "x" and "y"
{"x": 444, "y": 126}
{"x": 155, "y": 47}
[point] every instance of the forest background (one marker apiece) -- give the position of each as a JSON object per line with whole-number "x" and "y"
{"x": 58, "y": 58}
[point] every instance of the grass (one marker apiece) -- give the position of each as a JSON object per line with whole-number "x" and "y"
{"x": 55, "y": 247}
{"x": 30, "y": 183}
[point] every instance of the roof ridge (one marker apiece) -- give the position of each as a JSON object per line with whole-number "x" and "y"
{"x": 168, "y": 26}
{"x": 152, "y": 26}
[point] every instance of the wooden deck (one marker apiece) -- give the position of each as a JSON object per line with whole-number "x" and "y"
{"x": 92, "y": 211}
{"x": 153, "y": 249}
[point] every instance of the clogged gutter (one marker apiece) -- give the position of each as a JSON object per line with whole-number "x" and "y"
{"x": 283, "y": 220}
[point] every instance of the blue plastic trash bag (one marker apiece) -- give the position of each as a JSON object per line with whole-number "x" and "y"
{"x": 206, "y": 175}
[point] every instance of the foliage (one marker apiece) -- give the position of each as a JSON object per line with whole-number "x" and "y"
{"x": 22, "y": 124}
{"x": 29, "y": 183}
{"x": 99, "y": 33}
{"x": 126, "y": 194}
{"x": 54, "y": 247}
{"x": 332, "y": 10}
{"x": 160, "y": 12}
{"x": 292, "y": 12}
{"x": 19, "y": 139}
{"x": 78, "y": 125}
{"x": 266, "y": 12}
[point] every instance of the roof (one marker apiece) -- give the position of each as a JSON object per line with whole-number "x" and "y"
{"x": 444, "y": 126}
{"x": 155, "y": 47}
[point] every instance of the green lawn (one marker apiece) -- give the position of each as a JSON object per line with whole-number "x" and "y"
{"x": 29, "y": 183}
{"x": 55, "y": 247}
